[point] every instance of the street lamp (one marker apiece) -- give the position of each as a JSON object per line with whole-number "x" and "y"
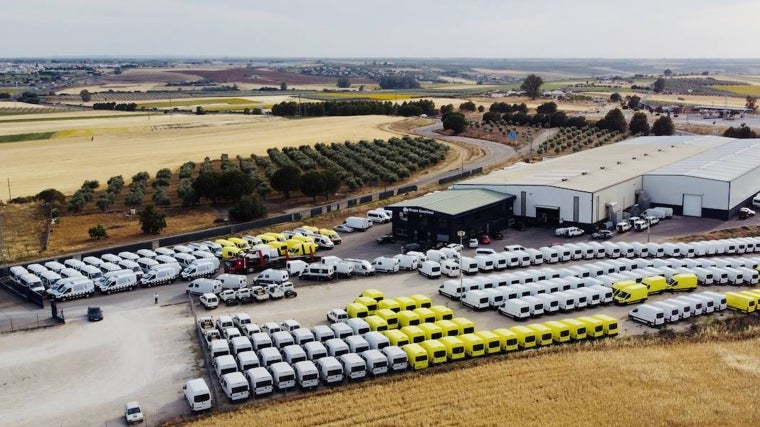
{"x": 461, "y": 235}
{"x": 649, "y": 227}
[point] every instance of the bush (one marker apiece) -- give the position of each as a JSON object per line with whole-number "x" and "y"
{"x": 98, "y": 232}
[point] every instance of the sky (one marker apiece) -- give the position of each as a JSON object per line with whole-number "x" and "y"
{"x": 384, "y": 28}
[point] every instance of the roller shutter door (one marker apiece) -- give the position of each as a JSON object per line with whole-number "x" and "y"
{"x": 692, "y": 205}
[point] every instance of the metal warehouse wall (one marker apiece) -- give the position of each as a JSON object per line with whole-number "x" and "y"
{"x": 745, "y": 187}
{"x": 670, "y": 190}
{"x": 624, "y": 194}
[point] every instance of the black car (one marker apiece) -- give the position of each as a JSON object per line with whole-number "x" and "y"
{"x": 519, "y": 226}
{"x": 497, "y": 236}
{"x": 411, "y": 246}
{"x": 386, "y": 238}
{"x": 94, "y": 314}
{"x": 602, "y": 235}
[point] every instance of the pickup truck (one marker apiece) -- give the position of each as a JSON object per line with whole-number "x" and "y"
{"x": 210, "y": 335}
{"x": 229, "y": 296}
{"x": 279, "y": 290}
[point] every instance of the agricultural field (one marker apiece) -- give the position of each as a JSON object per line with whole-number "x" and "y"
{"x": 572, "y": 140}
{"x": 750, "y": 90}
{"x": 690, "y": 380}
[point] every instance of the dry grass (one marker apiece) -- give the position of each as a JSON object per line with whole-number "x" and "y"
{"x": 727, "y": 233}
{"x": 668, "y": 381}
{"x": 23, "y": 228}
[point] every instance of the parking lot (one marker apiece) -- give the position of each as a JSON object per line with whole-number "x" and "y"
{"x": 82, "y": 373}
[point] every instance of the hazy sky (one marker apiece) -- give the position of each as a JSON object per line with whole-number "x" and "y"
{"x": 382, "y": 28}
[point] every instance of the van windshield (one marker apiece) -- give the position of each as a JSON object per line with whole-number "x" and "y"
{"x": 201, "y": 398}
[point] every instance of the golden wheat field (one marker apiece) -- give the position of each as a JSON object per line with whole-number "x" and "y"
{"x": 655, "y": 385}
{"x": 98, "y": 148}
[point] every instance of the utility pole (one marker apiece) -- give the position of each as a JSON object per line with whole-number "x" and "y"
{"x": 461, "y": 234}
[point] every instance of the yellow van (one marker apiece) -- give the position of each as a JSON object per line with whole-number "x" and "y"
{"x": 370, "y": 303}
{"x": 396, "y": 337}
{"x": 577, "y": 329}
{"x": 543, "y": 334}
{"x": 390, "y": 317}
{"x": 609, "y": 323}
{"x": 594, "y": 327}
{"x": 426, "y": 315}
{"x": 390, "y": 304}
{"x": 310, "y": 228}
{"x": 421, "y": 300}
{"x": 417, "y": 356}
{"x": 466, "y": 326}
{"x": 683, "y": 282}
{"x": 415, "y": 334}
{"x": 474, "y": 346}
{"x": 277, "y": 236}
{"x": 442, "y": 312}
{"x": 739, "y": 302}
{"x": 432, "y": 331}
{"x": 406, "y": 303}
{"x": 408, "y": 318}
{"x": 282, "y": 247}
{"x": 560, "y": 331}
{"x": 752, "y": 294}
{"x": 331, "y": 234}
{"x": 240, "y": 243}
{"x": 224, "y": 243}
{"x": 493, "y": 344}
{"x": 449, "y": 328}
{"x": 454, "y": 348}
{"x": 374, "y": 294}
{"x": 357, "y": 310}
{"x": 265, "y": 238}
{"x": 507, "y": 339}
{"x": 231, "y": 252}
{"x": 376, "y": 323}
{"x": 298, "y": 248}
{"x": 655, "y": 284}
{"x": 304, "y": 239}
{"x": 436, "y": 351}
{"x": 526, "y": 338}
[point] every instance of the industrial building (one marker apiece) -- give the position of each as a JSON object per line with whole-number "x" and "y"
{"x": 438, "y": 216}
{"x": 706, "y": 176}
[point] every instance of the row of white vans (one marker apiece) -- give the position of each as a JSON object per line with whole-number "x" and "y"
{"x": 282, "y": 356}
{"x": 679, "y": 308}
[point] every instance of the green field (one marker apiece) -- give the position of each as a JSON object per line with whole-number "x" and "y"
{"x": 25, "y": 137}
{"x": 751, "y": 90}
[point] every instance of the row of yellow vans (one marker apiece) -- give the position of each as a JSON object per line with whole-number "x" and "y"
{"x": 294, "y": 246}
{"x": 630, "y": 291}
{"x": 448, "y": 348}
{"x": 743, "y": 301}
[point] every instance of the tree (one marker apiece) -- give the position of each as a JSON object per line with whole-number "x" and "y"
{"x": 532, "y": 85}
{"x": 751, "y": 103}
{"x": 663, "y": 126}
{"x": 332, "y": 182}
{"x": 481, "y": 108}
{"x": 343, "y": 83}
{"x": 85, "y": 95}
{"x": 667, "y": 72}
{"x": 152, "y": 221}
{"x": 659, "y": 85}
{"x": 283, "y": 86}
{"x": 547, "y": 108}
{"x": 455, "y": 122}
{"x": 742, "y": 132}
{"x": 467, "y": 106}
{"x": 446, "y": 109}
{"x": 312, "y": 184}
{"x": 52, "y": 196}
{"x": 98, "y": 232}
{"x": 639, "y": 124}
{"x": 633, "y": 102}
{"x": 199, "y": 110}
{"x": 614, "y": 121}
{"x": 248, "y": 208}
{"x": 286, "y": 179}
{"x": 615, "y": 97}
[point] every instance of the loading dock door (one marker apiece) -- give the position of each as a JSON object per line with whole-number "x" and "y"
{"x": 692, "y": 205}
{"x": 547, "y": 214}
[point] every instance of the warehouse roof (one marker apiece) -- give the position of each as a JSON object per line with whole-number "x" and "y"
{"x": 454, "y": 202}
{"x": 601, "y": 167}
{"x": 724, "y": 163}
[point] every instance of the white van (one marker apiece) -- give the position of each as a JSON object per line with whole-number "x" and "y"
{"x": 330, "y": 370}
{"x": 117, "y": 281}
{"x": 302, "y": 336}
{"x": 209, "y": 300}
{"x": 341, "y": 330}
{"x": 184, "y": 260}
{"x": 204, "y": 285}
{"x": 550, "y": 302}
{"x": 397, "y": 358}
{"x": 260, "y": 381}
{"x": 49, "y": 278}
{"x": 131, "y": 265}
{"x": 240, "y": 344}
{"x": 146, "y": 264}
{"x": 719, "y": 300}
{"x": 672, "y": 311}
{"x": 485, "y": 262}
{"x": 430, "y": 269}
{"x": 315, "y": 350}
{"x": 406, "y": 262}
{"x": 235, "y": 386}
{"x": 307, "y": 375}
{"x": 283, "y": 376}
{"x": 54, "y": 266}
{"x": 354, "y": 367}
{"x": 452, "y": 289}
{"x": 356, "y": 344}
{"x": 476, "y": 299}
{"x": 377, "y": 340}
{"x": 358, "y": 223}
{"x": 515, "y": 308}
{"x": 232, "y": 281}
{"x": 386, "y": 264}
{"x": 32, "y": 282}
{"x": 197, "y": 394}
{"x": 359, "y": 326}
{"x": 319, "y": 272}
{"x": 378, "y": 216}
{"x": 468, "y": 265}
{"x": 375, "y": 361}
{"x": 551, "y": 255}
{"x": 336, "y": 347}
{"x": 158, "y": 276}
{"x": 261, "y": 340}
{"x": 224, "y": 365}
{"x": 269, "y": 356}
{"x": 271, "y": 275}
{"x": 322, "y": 333}
{"x": 293, "y": 354}
{"x": 199, "y": 268}
{"x": 648, "y": 314}
{"x": 281, "y": 339}
{"x": 75, "y": 287}
{"x": 362, "y": 267}
{"x": 91, "y": 272}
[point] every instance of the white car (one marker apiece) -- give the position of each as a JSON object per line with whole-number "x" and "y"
{"x": 209, "y": 300}
{"x": 337, "y": 315}
{"x": 455, "y": 246}
{"x": 133, "y": 413}
{"x": 472, "y": 243}
{"x": 342, "y": 228}
{"x": 568, "y": 232}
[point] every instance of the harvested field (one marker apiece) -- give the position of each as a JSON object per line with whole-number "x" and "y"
{"x": 153, "y": 142}
{"x": 266, "y": 76}
{"x": 681, "y": 383}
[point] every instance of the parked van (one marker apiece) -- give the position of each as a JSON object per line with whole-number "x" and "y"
{"x": 560, "y": 331}
{"x": 117, "y": 281}
{"x": 515, "y": 308}
{"x": 330, "y": 370}
{"x": 544, "y": 335}
{"x": 235, "y": 386}
{"x": 740, "y": 302}
{"x": 526, "y": 337}
{"x": 719, "y": 300}
{"x": 283, "y": 376}
{"x": 378, "y": 216}
{"x": 442, "y": 312}
{"x": 307, "y": 375}
{"x": 75, "y": 287}
{"x": 199, "y": 268}
{"x": 430, "y": 269}
{"x": 386, "y": 264}
{"x": 314, "y": 350}
{"x": 507, "y": 339}
{"x": 260, "y": 381}
{"x": 648, "y": 314}
{"x": 475, "y": 299}
{"x": 354, "y": 367}
{"x": 629, "y": 292}
{"x": 414, "y": 333}
{"x": 358, "y": 223}
{"x": 197, "y": 394}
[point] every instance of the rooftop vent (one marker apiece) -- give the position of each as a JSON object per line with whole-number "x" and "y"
{"x": 659, "y": 149}
{"x": 619, "y": 162}
{"x": 634, "y": 157}
{"x": 564, "y": 179}
{"x": 584, "y": 173}
{"x": 646, "y": 154}
{"x": 602, "y": 167}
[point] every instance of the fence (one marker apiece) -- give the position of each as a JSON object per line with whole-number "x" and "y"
{"x": 23, "y": 292}
{"x": 22, "y": 322}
